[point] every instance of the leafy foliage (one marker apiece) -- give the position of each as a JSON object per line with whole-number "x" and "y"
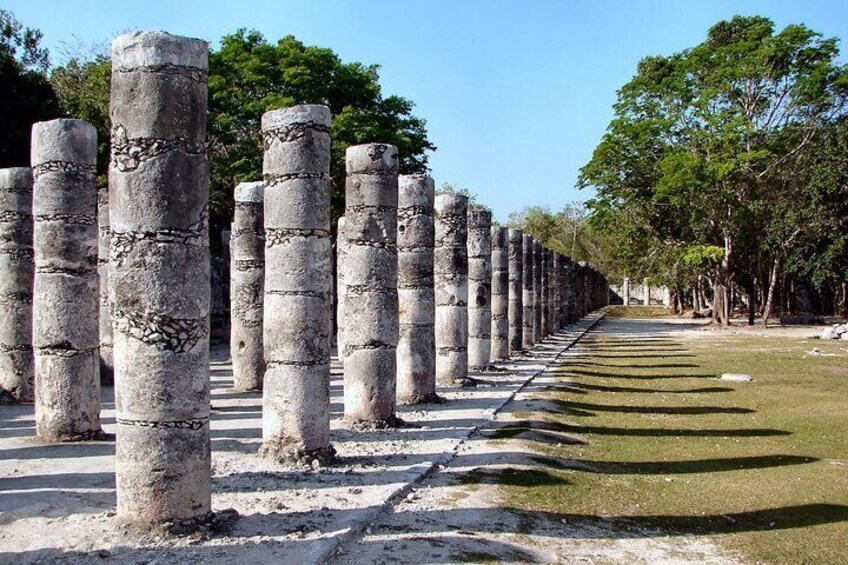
{"x": 704, "y": 152}
{"x": 26, "y": 96}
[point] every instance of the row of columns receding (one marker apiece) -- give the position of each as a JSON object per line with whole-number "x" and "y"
{"x": 427, "y": 288}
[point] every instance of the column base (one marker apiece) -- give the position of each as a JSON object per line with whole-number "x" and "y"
{"x": 367, "y": 425}
{"x": 414, "y": 399}
{"x": 288, "y": 451}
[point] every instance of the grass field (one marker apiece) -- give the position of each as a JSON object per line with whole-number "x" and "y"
{"x": 639, "y": 437}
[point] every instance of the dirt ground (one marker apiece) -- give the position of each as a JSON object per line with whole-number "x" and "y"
{"x": 57, "y": 502}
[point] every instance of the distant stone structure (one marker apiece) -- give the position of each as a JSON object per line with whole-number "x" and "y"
{"x": 416, "y": 351}
{"x": 159, "y": 273}
{"x": 247, "y": 286}
{"x": 66, "y": 295}
{"x": 17, "y": 369}
{"x": 296, "y": 317}
{"x": 500, "y": 294}
{"x": 451, "y": 285}
{"x": 371, "y": 313}
{"x": 479, "y": 288}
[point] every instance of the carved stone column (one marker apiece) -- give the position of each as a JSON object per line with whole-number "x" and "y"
{"x": 296, "y": 397}
{"x": 17, "y": 369}
{"x": 247, "y": 286}
{"x": 371, "y": 280}
{"x": 528, "y": 295}
{"x": 451, "y": 284}
{"x": 107, "y": 366}
{"x": 515, "y": 248}
{"x": 66, "y": 333}
{"x": 479, "y": 288}
{"x": 416, "y": 352}
{"x": 538, "y": 303}
{"x": 160, "y": 277}
{"x": 500, "y": 294}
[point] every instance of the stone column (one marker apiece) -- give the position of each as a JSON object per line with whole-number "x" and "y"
{"x": 500, "y": 294}
{"x": 547, "y": 292}
{"x": 66, "y": 333}
{"x": 646, "y": 291}
{"x": 17, "y": 377}
{"x": 247, "y": 286}
{"x": 416, "y": 352}
{"x": 537, "y": 291}
{"x": 341, "y": 255}
{"x": 451, "y": 284}
{"x": 515, "y": 251}
{"x": 160, "y": 277}
{"x": 296, "y": 317}
{"x": 546, "y": 297}
{"x": 107, "y": 367}
{"x": 625, "y": 291}
{"x": 556, "y": 294}
{"x": 371, "y": 280}
{"x": 479, "y": 288}
{"x": 529, "y": 316}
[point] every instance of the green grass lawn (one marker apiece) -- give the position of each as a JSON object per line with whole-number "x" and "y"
{"x": 762, "y": 466}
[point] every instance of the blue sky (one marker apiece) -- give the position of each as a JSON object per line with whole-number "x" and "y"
{"x": 516, "y": 94}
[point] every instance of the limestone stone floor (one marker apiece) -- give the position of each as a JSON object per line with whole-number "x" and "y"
{"x": 57, "y": 502}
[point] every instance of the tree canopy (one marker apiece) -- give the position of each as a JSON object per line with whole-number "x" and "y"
{"x": 26, "y": 96}
{"x": 700, "y": 170}
{"x": 249, "y": 76}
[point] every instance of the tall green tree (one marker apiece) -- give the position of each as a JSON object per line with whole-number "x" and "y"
{"x": 700, "y": 139}
{"x": 25, "y": 96}
{"x": 249, "y": 76}
{"x": 82, "y": 86}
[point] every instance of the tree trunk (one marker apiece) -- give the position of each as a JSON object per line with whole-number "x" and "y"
{"x": 772, "y": 284}
{"x": 752, "y": 302}
{"x": 843, "y": 306}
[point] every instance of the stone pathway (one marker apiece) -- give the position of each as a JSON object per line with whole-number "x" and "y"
{"x": 57, "y": 502}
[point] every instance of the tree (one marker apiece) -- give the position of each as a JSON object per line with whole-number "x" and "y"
{"x": 82, "y": 86}
{"x": 26, "y": 96}
{"x": 249, "y": 76}
{"x": 701, "y": 138}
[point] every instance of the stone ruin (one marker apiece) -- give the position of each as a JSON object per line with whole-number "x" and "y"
{"x": 118, "y": 279}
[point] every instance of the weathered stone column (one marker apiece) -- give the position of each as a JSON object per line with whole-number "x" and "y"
{"x": 341, "y": 255}
{"x": 515, "y": 250}
{"x": 416, "y": 352}
{"x": 529, "y": 316}
{"x": 247, "y": 286}
{"x": 66, "y": 333}
{"x": 537, "y": 291}
{"x": 451, "y": 284}
{"x": 500, "y": 294}
{"x": 479, "y": 288}
{"x": 17, "y": 376}
{"x": 546, "y": 295}
{"x": 371, "y": 280}
{"x": 625, "y": 291}
{"x": 556, "y": 292}
{"x": 160, "y": 277}
{"x": 296, "y": 337}
{"x": 107, "y": 367}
